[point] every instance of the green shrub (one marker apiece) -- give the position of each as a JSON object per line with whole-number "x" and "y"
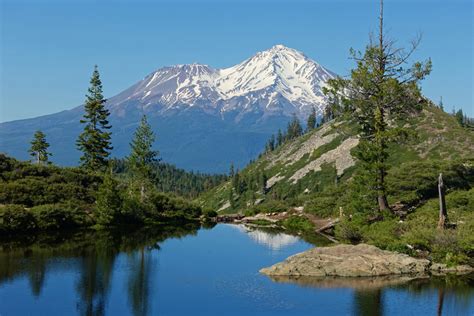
{"x": 109, "y": 202}
{"x": 349, "y": 231}
{"x": 16, "y": 219}
{"x": 384, "y": 234}
{"x": 57, "y": 216}
{"x": 210, "y": 213}
{"x": 298, "y": 223}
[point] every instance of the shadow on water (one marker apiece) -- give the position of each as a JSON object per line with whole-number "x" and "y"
{"x": 92, "y": 254}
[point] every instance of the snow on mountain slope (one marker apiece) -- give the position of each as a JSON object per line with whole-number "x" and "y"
{"x": 279, "y": 79}
{"x": 285, "y": 70}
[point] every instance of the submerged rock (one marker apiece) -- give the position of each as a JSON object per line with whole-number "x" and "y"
{"x": 348, "y": 261}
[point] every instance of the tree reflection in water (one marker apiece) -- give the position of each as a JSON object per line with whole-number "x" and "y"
{"x": 93, "y": 254}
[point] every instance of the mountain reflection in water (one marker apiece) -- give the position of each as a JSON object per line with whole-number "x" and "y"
{"x": 272, "y": 240}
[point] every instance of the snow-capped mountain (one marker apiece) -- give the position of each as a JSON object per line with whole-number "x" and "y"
{"x": 279, "y": 80}
{"x": 204, "y": 118}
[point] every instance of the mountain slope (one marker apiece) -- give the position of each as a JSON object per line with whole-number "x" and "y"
{"x": 315, "y": 170}
{"x": 205, "y": 118}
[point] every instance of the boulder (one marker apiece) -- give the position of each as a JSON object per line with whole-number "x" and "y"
{"x": 348, "y": 261}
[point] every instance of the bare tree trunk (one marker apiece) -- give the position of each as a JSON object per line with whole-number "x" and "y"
{"x": 383, "y": 203}
{"x": 142, "y": 192}
{"x": 380, "y": 126}
{"x": 443, "y": 212}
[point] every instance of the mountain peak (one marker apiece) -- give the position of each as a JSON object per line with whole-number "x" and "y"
{"x": 277, "y": 80}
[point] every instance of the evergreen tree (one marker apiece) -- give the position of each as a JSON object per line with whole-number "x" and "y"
{"x": 236, "y": 182}
{"x": 263, "y": 183}
{"x": 94, "y": 141}
{"x": 142, "y": 155}
{"x": 460, "y": 117}
{"x": 280, "y": 138}
{"x": 271, "y": 144}
{"x": 380, "y": 89}
{"x": 440, "y": 104}
{"x": 39, "y": 148}
{"x": 109, "y": 201}
{"x": 311, "y": 120}
{"x": 294, "y": 128}
{"x": 232, "y": 170}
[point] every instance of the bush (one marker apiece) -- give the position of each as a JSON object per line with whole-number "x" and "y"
{"x": 384, "y": 234}
{"x": 109, "y": 202}
{"x": 16, "y": 219}
{"x": 298, "y": 223}
{"x": 58, "y": 216}
{"x": 210, "y": 213}
{"x": 349, "y": 231}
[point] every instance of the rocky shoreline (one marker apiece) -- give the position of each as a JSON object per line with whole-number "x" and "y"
{"x": 360, "y": 260}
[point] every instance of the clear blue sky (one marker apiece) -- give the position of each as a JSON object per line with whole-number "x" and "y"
{"x": 48, "y": 48}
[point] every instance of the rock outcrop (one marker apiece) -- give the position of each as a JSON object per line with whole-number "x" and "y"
{"x": 348, "y": 261}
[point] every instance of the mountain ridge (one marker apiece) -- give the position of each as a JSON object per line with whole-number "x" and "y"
{"x": 205, "y": 118}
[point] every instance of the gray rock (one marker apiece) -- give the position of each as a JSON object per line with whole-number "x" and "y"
{"x": 348, "y": 261}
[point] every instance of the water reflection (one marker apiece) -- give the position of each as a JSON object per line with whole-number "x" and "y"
{"x": 93, "y": 256}
{"x": 271, "y": 239}
{"x": 368, "y": 293}
{"x": 136, "y": 272}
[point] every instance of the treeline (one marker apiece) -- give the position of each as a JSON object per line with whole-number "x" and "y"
{"x": 169, "y": 178}
{"x": 293, "y": 130}
{"x": 462, "y": 118}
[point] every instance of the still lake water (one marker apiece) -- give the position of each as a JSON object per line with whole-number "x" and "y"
{"x": 197, "y": 271}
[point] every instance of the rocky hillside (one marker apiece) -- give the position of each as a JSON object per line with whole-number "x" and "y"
{"x": 314, "y": 170}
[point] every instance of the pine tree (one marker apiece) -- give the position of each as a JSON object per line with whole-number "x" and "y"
{"x": 232, "y": 170}
{"x": 142, "y": 156}
{"x": 94, "y": 141}
{"x": 440, "y": 104}
{"x": 311, "y": 120}
{"x": 263, "y": 182}
{"x": 271, "y": 144}
{"x": 109, "y": 201}
{"x": 460, "y": 117}
{"x": 294, "y": 128}
{"x": 39, "y": 148}
{"x": 280, "y": 138}
{"x": 379, "y": 90}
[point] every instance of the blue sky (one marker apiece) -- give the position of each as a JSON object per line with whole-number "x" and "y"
{"x": 48, "y": 48}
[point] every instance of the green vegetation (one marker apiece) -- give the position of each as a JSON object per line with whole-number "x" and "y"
{"x": 45, "y": 197}
{"x": 380, "y": 92}
{"x": 385, "y": 187}
{"x": 94, "y": 141}
{"x": 439, "y": 145}
{"x": 39, "y": 148}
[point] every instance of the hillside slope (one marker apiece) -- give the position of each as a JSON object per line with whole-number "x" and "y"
{"x": 311, "y": 170}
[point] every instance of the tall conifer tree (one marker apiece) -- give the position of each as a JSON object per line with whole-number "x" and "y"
{"x": 142, "y": 155}
{"x": 311, "y": 124}
{"x": 94, "y": 141}
{"x": 39, "y": 148}
{"x": 381, "y": 89}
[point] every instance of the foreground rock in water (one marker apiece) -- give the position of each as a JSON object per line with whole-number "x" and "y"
{"x": 348, "y": 261}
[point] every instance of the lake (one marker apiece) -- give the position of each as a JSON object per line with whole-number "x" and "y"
{"x": 192, "y": 270}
